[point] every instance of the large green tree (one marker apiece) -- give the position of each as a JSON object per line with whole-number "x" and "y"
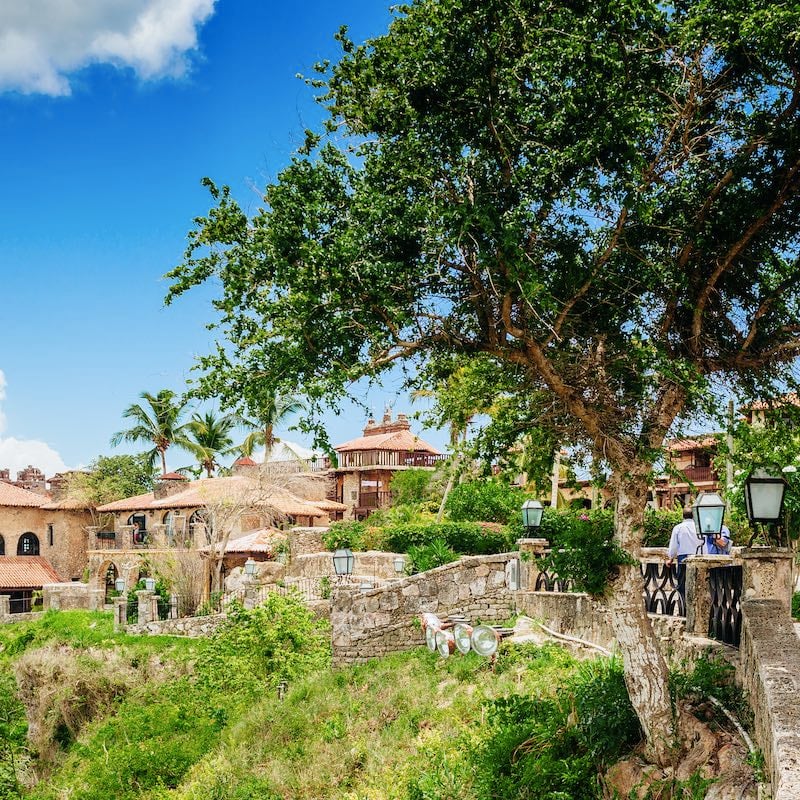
{"x": 210, "y": 436}
{"x": 603, "y": 197}
{"x": 159, "y": 422}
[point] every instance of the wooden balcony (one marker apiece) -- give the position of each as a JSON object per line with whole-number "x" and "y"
{"x": 392, "y": 459}
{"x": 373, "y": 500}
{"x": 700, "y": 474}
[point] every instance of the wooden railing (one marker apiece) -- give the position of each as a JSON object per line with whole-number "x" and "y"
{"x": 388, "y": 458}
{"x": 374, "y": 499}
{"x": 695, "y": 474}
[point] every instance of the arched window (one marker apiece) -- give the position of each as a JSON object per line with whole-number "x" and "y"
{"x": 28, "y": 545}
{"x": 2, "y": 546}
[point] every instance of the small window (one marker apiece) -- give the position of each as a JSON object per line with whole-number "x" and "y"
{"x": 28, "y": 545}
{"x": 2, "y": 546}
{"x": 50, "y": 535}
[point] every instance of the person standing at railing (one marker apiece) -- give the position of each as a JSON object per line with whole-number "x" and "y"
{"x": 684, "y": 542}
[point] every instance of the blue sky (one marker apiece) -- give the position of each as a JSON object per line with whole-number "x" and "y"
{"x": 108, "y": 122}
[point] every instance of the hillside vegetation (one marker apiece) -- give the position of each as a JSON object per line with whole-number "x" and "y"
{"x": 174, "y": 719}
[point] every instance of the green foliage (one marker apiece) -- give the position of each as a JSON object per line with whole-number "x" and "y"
{"x": 353, "y": 534}
{"x": 466, "y": 538}
{"x": 485, "y": 501}
{"x": 796, "y": 606}
{"x": 111, "y": 478}
{"x": 410, "y": 486}
{"x": 585, "y": 552}
{"x": 658, "y": 527}
{"x": 429, "y": 556}
{"x": 277, "y": 640}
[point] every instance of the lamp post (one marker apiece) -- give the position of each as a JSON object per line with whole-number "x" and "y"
{"x": 250, "y": 567}
{"x": 343, "y": 561}
{"x": 532, "y": 511}
{"x": 399, "y": 565}
{"x": 708, "y": 512}
{"x": 119, "y": 585}
{"x": 150, "y": 584}
{"x": 763, "y": 498}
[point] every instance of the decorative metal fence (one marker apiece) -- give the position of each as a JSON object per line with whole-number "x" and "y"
{"x": 661, "y": 594}
{"x": 725, "y": 617}
{"x": 550, "y": 582}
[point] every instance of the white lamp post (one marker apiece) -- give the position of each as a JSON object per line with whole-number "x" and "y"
{"x": 763, "y": 497}
{"x": 708, "y": 512}
{"x": 250, "y": 567}
{"x": 532, "y": 511}
{"x": 150, "y": 584}
{"x": 119, "y": 585}
{"x": 399, "y": 565}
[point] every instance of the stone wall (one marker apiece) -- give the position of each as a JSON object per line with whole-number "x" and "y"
{"x": 184, "y": 626}
{"x": 369, "y": 564}
{"x": 70, "y": 596}
{"x": 305, "y": 540}
{"x": 380, "y": 621}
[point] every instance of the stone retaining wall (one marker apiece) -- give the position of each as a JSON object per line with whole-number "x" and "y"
{"x": 380, "y": 621}
{"x": 770, "y": 672}
{"x": 183, "y": 626}
{"x": 71, "y": 596}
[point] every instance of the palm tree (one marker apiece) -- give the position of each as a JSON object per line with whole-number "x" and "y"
{"x": 275, "y": 410}
{"x": 210, "y": 437}
{"x": 157, "y": 422}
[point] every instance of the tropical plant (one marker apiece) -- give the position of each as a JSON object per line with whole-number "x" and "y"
{"x": 273, "y": 409}
{"x": 158, "y": 422}
{"x": 210, "y": 437}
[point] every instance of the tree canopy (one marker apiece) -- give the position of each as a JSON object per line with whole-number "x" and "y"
{"x": 602, "y": 198}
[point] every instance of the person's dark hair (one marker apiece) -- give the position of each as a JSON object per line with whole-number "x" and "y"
{"x": 687, "y": 512}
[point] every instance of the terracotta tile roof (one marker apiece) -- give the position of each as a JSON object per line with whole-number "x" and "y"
{"x": 764, "y": 405}
{"x": 402, "y": 440}
{"x": 263, "y": 540}
{"x": 14, "y": 496}
{"x": 26, "y": 572}
{"x": 139, "y": 502}
{"x": 244, "y": 461}
{"x": 212, "y": 490}
{"x": 329, "y": 505}
{"x": 172, "y": 476}
{"x": 701, "y": 443}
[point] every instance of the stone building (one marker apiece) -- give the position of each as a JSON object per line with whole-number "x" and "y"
{"x": 367, "y": 464}
{"x": 170, "y": 530}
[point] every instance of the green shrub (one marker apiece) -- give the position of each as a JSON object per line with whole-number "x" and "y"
{"x": 355, "y": 535}
{"x": 429, "y": 556}
{"x": 658, "y": 527}
{"x": 796, "y": 605}
{"x": 410, "y": 486}
{"x": 466, "y": 538}
{"x": 585, "y": 552}
{"x": 485, "y": 501}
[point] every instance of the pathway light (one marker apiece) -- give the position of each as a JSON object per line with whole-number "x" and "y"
{"x": 343, "y": 561}
{"x": 119, "y": 585}
{"x": 485, "y": 640}
{"x": 462, "y": 632}
{"x": 763, "y": 497}
{"x": 150, "y": 584}
{"x": 532, "y": 511}
{"x": 250, "y": 567}
{"x": 399, "y": 565}
{"x": 708, "y": 512}
{"x": 445, "y": 643}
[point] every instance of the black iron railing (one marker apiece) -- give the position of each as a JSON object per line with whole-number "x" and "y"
{"x": 661, "y": 595}
{"x": 725, "y": 618}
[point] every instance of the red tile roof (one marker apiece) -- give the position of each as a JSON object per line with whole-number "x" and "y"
{"x": 702, "y": 443}
{"x": 26, "y": 572}
{"x": 402, "y": 440}
{"x": 244, "y": 461}
{"x": 14, "y": 496}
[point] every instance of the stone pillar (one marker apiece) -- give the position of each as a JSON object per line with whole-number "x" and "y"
{"x": 52, "y": 600}
{"x": 530, "y": 550}
{"x": 173, "y": 606}
{"x": 120, "y": 612}
{"x": 97, "y": 599}
{"x": 145, "y": 606}
{"x": 5, "y": 605}
{"x": 698, "y": 591}
{"x": 125, "y": 536}
{"x": 767, "y": 574}
{"x": 154, "y": 608}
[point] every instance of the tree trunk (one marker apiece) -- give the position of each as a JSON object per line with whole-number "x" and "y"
{"x": 163, "y": 461}
{"x": 645, "y": 668}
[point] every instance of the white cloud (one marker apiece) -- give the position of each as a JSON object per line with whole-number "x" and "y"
{"x": 16, "y": 454}
{"x": 43, "y": 41}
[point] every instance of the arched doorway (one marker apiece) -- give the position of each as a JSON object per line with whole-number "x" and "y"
{"x": 110, "y": 583}
{"x": 28, "y": 544}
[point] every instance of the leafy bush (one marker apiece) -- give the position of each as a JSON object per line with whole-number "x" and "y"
{"x": 658, "y": 527}
{"x": 355, "y": 535}
{"x": 429, "y": 556}
{"x": 410, "y": 486}
{"x": 467, "y": 538}
{"x": 485, "y": 501}
{"x": 796, "y": 605}
{"x": 585, "y": 552}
